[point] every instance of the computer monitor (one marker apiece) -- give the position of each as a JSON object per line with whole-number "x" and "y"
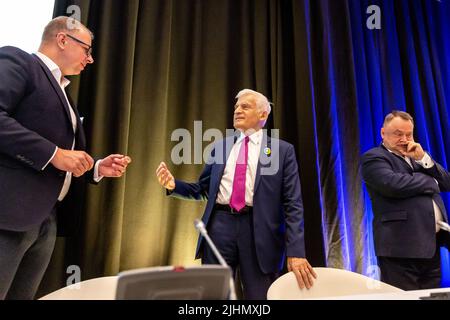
{"x": 207, "y": 282}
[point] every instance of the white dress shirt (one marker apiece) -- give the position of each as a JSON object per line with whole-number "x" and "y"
{"x": 63, "y": 83}
{"x": 226, "y": 184}
{"x": 426, "y": 162}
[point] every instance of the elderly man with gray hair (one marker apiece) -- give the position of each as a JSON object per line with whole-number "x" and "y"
{"x": 254, "y": 217}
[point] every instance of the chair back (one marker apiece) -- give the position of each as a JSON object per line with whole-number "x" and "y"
{"x": 330, "y": 282}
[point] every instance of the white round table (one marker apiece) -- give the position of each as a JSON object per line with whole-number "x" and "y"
{"x": 103, "y": 288}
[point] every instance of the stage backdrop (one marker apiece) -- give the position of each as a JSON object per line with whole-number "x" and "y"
{"x": 163, "y": 64}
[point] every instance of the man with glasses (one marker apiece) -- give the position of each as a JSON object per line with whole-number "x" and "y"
{"x": 87, "y": 47}
{"x": 42, "y": 146}
{"x": 404, "y": 184}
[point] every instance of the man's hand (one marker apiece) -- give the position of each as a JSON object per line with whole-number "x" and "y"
{"x": 302, "y": 270}
{"x": 414, "y": 150}
{"x": 165, "y": 178}
{"x": 77, "y": 162}
{"x": 114, "y": 165}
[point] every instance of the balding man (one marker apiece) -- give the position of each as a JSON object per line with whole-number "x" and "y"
{"x": 254, "y": 212}
{"x": 41, "y": 148}
{"x": 404, "y": 184}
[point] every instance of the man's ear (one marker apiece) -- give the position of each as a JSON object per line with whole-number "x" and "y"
{"x": 264, "y": 115}
{"x": 60, "y": 41}
{"x": 382, "y": 132}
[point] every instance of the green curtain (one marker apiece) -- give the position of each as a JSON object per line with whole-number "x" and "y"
{"x": 161, "y": 65}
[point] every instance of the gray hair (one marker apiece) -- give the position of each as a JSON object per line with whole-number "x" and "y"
{"x": 62, "y": 24}
{"x": 397, "y": 114}
{"x": 261, "y": 100}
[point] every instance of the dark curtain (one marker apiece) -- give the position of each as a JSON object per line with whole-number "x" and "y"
{"x": 160, "y": 65}
{"x": 404, "y": 66}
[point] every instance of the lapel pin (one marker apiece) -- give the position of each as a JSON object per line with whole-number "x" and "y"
{"x": 267, "y": 151}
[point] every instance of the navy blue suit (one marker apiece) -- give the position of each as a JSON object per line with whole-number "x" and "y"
{"x": 277, "y": 219}
{"x": 404, "y": 220}
{"x": 34, "y": 119}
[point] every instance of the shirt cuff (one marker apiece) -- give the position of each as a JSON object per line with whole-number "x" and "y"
{"x": 97, "y": 178}
{"x": 426, "y": 161}
{"x": 51, "y": 158}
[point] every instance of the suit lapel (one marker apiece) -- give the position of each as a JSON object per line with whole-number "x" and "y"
{"x": 227, "y": 145}
{"x": 226, "y": 149}
{"x": 264, "y": 158}
{"x": 416, "y": 167}
{"x": 400, "y": 159}
{"x": 81, "y": 138}
{"x": 57, "y": 88}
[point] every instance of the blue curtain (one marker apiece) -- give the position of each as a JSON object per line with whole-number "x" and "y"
{"x": 405, "y": 65}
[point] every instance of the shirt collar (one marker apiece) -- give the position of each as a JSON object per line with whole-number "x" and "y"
{"x": 255, "y": 137}
{"x": 54, "y": 69}
{"x": 404, "y": 157}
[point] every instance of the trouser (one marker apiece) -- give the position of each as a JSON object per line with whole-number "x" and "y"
{"x": 233, "y": 236}
{"x": 411, "y": 274}
{"x": 24, "y": 257}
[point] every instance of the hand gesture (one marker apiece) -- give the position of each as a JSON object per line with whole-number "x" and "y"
{"x": 114, "y": 165}
{"x": 77, "y": 162}
{"x": 413, "y": 150}
{"x": 165, "y": 178}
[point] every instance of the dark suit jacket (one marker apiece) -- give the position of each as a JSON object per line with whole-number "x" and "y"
{"x": 277, "y": 200}
{"x": 404, "y": 222}
{"x": 34, "y": 118}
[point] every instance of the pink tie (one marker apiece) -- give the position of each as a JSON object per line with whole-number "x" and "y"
{"x": 237, "y": 201}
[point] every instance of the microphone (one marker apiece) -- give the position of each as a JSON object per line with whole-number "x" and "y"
{"x": 444, "y": 226}
{"x": 200, "y": 226}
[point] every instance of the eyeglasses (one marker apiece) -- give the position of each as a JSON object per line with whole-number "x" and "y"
{"x": 88, "y": 50}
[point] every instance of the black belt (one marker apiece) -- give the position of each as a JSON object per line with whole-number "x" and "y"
{"x": 227, "y": 208}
